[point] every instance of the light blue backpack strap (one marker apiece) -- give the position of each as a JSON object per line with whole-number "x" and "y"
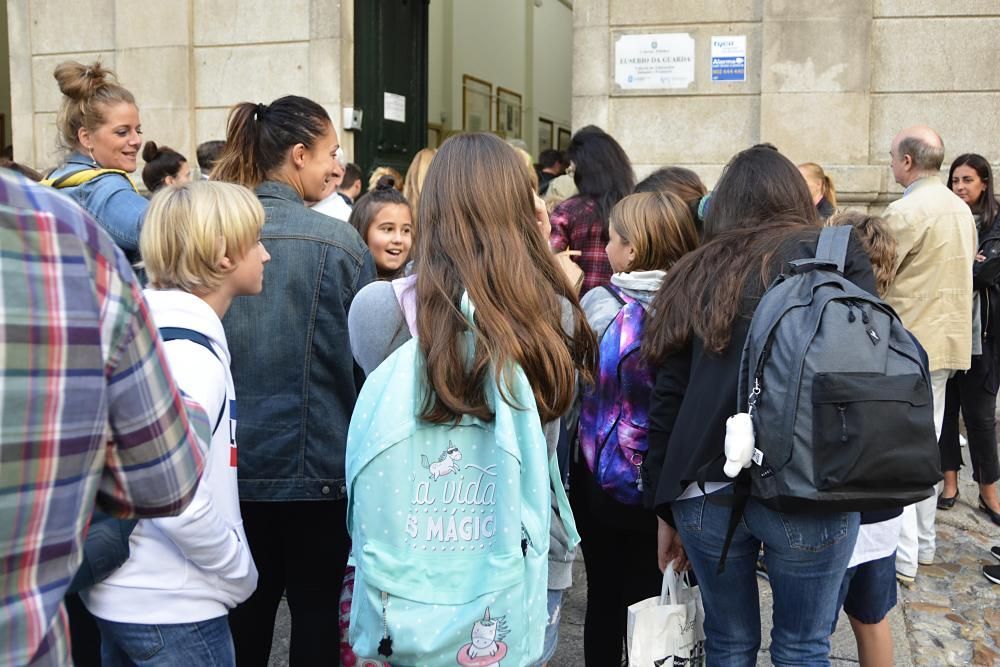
{"x": 563, "y": 509}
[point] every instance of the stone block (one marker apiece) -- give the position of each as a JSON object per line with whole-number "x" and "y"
{"x": 852, "y": 181}
{"x": 48, "y": 153}
{"x": 250, "y": 21}
{"x": 325, "y": 19}
{"x": 590, "y": 110}
{"x": 941, "y": 63}
{"x": 646, "y": 13}
{"x": 325, "y": 70}
{"x": 590, "y": 13}
{"x": 591, "y": 61}
{"x": 690, "y": 129}
{"x": 702, "y": 84}
{"x": 816, "y": 55}
{"x": 814, "y": 9}
{"x": 45, "y": 90}
{"x": 816, "y": 127}
{"x": 226, "y": 75}
{"x": 144, "y": 24}
{"x": 22, "y": 127}
{"x": 169, "y": 127}
{"x": 966, "y": 123}
{"x": 68, "y": 27}
{"x": 19, "y": 45}
{"x": 210, "y": 124}
{"x": 159, "y": 76}
{"x": 911, "y": 8}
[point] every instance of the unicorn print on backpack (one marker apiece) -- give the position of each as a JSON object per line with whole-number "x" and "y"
{"x": 487, "y": 648}
{"x": 446, "y": 464}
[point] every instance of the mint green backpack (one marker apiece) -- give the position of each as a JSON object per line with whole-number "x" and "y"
{"x": 450, "y": 524}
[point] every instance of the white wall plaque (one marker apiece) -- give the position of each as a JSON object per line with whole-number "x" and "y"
{"x": 651, "y": 62}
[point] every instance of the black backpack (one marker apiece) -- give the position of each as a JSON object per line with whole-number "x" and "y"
{"x": 838, "y": 393}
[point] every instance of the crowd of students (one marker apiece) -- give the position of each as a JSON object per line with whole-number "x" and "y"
{"x": 277, "y": 287}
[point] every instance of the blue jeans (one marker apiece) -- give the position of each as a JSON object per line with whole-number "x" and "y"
{"x": 806, "y": 557}
{"x": 207, "y": 643}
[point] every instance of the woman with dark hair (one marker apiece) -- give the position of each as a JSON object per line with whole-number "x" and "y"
{"x": 164, "y": 166}
{"x": 761, "y": 218}
{"x": 603, "y": 176}
{"x": 294, "y": 374}
{"x": 975, "y": 391}
{"x": 384, "y": 219}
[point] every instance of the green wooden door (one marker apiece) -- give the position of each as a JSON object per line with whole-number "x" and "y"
{"x": 390, "y": 82}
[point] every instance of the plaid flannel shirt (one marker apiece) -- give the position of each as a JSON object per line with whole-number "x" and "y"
{"x": 577, "y": 225}
{"x": 87, "y": 410}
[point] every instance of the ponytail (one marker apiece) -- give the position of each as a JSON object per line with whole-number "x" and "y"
{"x": 829, "y": 192}
{"x": 258, "y": 137}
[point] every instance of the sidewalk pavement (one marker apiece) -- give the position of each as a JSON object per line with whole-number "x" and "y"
{"x": 951, "y": 616}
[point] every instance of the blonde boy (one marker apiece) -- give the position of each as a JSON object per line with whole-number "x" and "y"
{"x": 201, "y": 245}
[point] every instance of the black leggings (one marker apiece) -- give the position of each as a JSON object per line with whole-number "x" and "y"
{"x": 970, "y": 392}
{"x": 619, "y": 551}
{"x": 300, "y": 549}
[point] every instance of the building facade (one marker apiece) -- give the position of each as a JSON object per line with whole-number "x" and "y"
{"x": 827, "y": 82}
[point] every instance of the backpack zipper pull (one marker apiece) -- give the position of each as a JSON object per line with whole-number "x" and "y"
{"x": 864, "y": 315}
{"x": 842, "y": 409}
{"x": 850, "y": 312}
{"x": 385, "y": 646}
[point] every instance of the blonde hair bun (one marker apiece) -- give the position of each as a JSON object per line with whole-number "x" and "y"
{"x": 81, "y": 82}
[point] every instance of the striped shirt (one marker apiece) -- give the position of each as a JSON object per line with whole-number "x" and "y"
{"x": 87, "y": 411}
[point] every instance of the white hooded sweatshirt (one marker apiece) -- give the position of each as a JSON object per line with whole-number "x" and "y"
{"x": 195, "y": 566}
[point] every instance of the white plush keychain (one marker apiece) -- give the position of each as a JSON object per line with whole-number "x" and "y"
{"x": 739, "y": 444}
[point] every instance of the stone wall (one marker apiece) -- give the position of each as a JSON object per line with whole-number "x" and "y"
{"x": 186, "y": 62}
{"x": 828, "y": 82}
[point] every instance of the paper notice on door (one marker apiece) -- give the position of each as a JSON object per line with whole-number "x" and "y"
{"x": 394, "y": 107}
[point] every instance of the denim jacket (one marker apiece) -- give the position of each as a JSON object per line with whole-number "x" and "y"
{"x": 292, "y": 361}
{"x": 111, "y": 199}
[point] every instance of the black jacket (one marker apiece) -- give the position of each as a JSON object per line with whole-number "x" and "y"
{"x": 695, "y": 392}
{"x": 986, "y": 280}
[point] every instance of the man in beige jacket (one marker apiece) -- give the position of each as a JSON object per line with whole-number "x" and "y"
{"x": 932, "y": 293}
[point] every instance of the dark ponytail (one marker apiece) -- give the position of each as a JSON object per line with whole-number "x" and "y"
{"x": 370, "y": 203}
{"x": 259, "y": 136}
{"x": 161, "y": 162}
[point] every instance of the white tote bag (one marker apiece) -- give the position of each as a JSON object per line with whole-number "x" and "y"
{"x": 668, "y": 631}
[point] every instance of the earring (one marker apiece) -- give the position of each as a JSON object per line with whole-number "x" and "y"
{"x": 90, "y": 149}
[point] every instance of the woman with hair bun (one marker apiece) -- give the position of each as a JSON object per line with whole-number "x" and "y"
{"x": 164, "y": 166}
{"x": 295, "y": 376}
{"x": 100, "y": 130}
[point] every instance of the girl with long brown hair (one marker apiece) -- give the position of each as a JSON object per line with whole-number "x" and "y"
{"x": 483, "y": 231}
{"x": 759, "y": 218}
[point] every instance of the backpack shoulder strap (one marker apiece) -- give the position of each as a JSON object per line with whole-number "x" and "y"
{"x": 82, "y": 176}
{"x": 181, "y": 333}
{"x": 406, "y": 294}
{"x": 832, "y": 245}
